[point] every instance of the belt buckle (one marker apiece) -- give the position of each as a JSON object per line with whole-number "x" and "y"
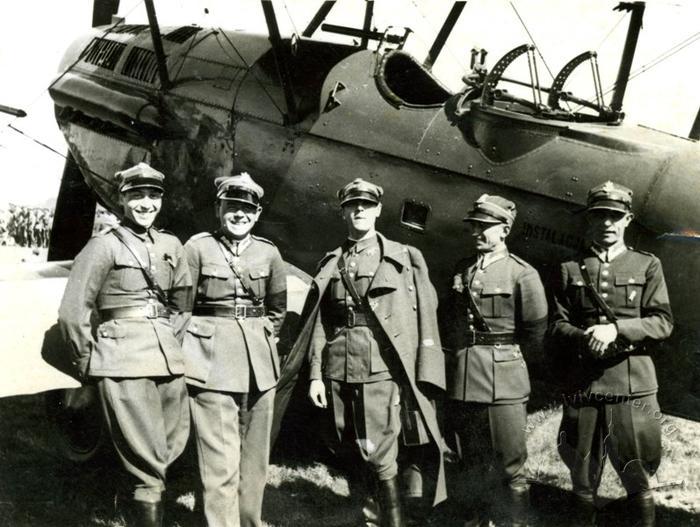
{"x": 151, "y": 311}
{"x": 350, "y": 318}
{"x": 239, "y": 312}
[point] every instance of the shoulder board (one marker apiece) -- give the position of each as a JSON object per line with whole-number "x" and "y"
{"x": 646, "y": 253}
{"x": 199, "y": 236}
{"x": 261, "y": 239}
{"x": 106, "y": 230}
{"x": 519, "y": 260}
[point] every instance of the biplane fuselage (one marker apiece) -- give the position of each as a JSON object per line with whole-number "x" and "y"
{"x": 380, "y": 116}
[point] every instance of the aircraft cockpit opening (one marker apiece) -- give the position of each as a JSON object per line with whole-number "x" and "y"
{"x": 404, "y": 81}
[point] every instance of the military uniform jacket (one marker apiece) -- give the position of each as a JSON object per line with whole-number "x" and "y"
{"x": 106, "y": 275}
{"x": 509, "y": 294}
{"x": 404, "y": 303}
{"x": 222, "y": 353}
{"x": 634, "y": 288}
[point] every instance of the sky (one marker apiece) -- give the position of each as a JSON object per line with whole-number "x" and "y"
{"x": 35, "y": 33}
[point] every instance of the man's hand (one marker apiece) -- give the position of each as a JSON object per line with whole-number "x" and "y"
{"x": 599, "y": 337}
{"x": 317, "y": 393}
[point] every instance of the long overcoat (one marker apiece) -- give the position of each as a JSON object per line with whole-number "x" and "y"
{"x": 404, "y": 302}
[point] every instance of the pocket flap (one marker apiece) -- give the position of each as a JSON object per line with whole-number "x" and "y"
{"x": 630, "y": 279}
{"x": 215, "y": 270}
{"x": 576, "y": 280}
{"x": 506, "y": 353}
{"x": 259, "y": 272}
{"x": 497, "y": 288}
{"x": 124, "y": 258}
{"x": 112, "y": 331}
{"x": 201, "y": 328}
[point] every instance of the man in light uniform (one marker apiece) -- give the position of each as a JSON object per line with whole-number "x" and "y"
{"x": 372, "y": 338}
{"x": 500, "y": 316}
{"x": 231, "y": 354}
{"x": 611, "y": 305}
{"x": 133, "y": 279}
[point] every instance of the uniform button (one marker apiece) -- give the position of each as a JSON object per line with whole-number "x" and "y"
{"x": 604, "y": 295}
{"x": 476, "y": 282}
{"x": 606, "y": 264}
{"x": 352, "y": 264}
{"x": 603, "y": 284}
{"x": 631, "y": 280}
{"x": 352, "y": 275}
{"x": 348, "y": 299}
{"x": 605, "y": 272}
{"x": 371, "y": 273}
{"x": 414, "y": 307}
{"x": 410, "y": 288}
{"x": 579, "y": 283}
{"x": 475, "y": 293}
{"x": 498, "y": 290}
{"x": 471, "y": 317}
{"x": 471, "y": 327}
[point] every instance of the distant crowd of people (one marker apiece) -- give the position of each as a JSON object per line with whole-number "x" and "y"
{"x": 26, "y": 226}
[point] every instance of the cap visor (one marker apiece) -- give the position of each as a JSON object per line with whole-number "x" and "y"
{"x": 240, "y": 200}
{"x": 141, "y": 185}
{"x": 609, "y": 205}
{"x": 358, "y": 198}
{"x": 482, "y": 218}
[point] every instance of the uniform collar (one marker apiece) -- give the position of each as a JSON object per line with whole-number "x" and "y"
{"x": 486, "y": 259}
{"x": 357, "y": 246}
{"x": 239, "y": 246}
{"x": 144, "y": 236}
{"x": 608, "y": 255}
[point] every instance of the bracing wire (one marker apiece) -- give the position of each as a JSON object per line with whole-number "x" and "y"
{"x": 531, "y": 39}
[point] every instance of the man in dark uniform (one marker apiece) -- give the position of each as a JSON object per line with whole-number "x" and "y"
{"x": 133, "y": 278}
{"x": 372, "y": 338}
{"x": 500, "y": 315}
{"x": 611, "y": 305}
{"x": 231, "y": 355}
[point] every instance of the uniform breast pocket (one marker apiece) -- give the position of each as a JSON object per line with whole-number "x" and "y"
{"x": 581, "y": 297}
{"x": 631, "y": 286}
{"x": 131, "y": 276}
{"x": 212, "y": 282}
{"x": 496, "y": 299}
{"x": 258, "y": 280}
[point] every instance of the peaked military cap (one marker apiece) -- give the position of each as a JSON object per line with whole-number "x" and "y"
{"x": 139, "y": 176}
{"x": 240, "y": 187}
{"x": 610, "y": 196}
{"x": 492, "y": 209}
{"x": 360, "y": 189}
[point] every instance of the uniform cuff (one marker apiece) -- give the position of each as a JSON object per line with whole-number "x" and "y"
{"x": 315, "y": 371}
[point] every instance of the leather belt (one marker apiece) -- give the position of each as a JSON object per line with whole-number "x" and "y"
{"x": 145, "y": 311}
{"x": 351, "y": 318}
{"x": 489, "y": 338}
{"x": 239, "y": 312}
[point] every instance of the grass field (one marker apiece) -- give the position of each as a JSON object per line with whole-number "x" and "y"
{"x": 38, "y": 488}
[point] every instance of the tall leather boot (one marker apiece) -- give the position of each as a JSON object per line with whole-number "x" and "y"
{"x": 390, "y": 503}
{"x": 643, "y": 510}
{"x": 582, "y": 511}
{"x": 520, "y": 507}
{"x": 145, "y": 514}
